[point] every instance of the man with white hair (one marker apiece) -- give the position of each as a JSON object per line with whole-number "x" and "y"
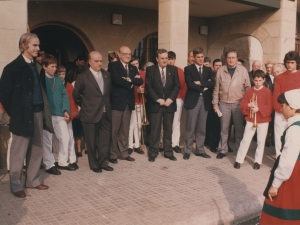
{"x": 256, "y": 65}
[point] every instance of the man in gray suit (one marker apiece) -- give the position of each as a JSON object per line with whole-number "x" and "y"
{"x": 92, "y": 94}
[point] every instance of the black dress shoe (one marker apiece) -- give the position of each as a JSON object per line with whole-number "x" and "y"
{"x": 220, "y": 156}
{"x": 20, "y": 194}
{"x": 256, "y": 166}
{"x": 97, "y": 170}
{"x": 69, "y": 167}
{"x": 173, "y": 158}
{"x": 108, "y": 168}
{"x": 237, "y": 165}
{"x": 213, "y": 149}
{"x": 186, "y": 156}
{"x": 151, "y": 159}
{"x": 53, "y": 170}
{"x": 130, "y": 150}
{"x": 75, "y": 165}
{"x": 177, "y": 149}
{"x": 113, "y": 161}
{"x": 130, "y": 159}
{"x": 78, "y": 154}
{"x": 139, "y": 151}
{"x": 204, "y": 155}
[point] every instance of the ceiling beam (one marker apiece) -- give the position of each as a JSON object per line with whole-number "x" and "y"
{"x": 271, "y": 4}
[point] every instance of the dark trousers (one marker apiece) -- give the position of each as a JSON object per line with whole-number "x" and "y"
{"x": 156, "y": 119}
{"x": 120, "y": 133}
{"x": 213, "y": 128}
{"x": 97, "y": 137}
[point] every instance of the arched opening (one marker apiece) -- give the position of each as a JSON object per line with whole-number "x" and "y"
{"x": 248, "y": 47}
{"x": 146, "y": 48}
{"x": 62, "y": 41}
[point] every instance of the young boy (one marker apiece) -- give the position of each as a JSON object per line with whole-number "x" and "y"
{"x": 61, "y": 72}
{"x": 60, "y": 111}
{"x": 257, "y": 107}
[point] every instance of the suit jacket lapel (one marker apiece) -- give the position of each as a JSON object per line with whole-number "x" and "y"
{"x": 93, "y": 80}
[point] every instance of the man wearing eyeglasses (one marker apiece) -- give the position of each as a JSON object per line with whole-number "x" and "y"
{"x": 124, "y": 77}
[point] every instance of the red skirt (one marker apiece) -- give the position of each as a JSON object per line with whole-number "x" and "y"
{"x": 285, "y": 207}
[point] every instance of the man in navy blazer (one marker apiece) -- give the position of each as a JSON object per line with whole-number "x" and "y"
{"x": 200, "y": 83}
{"x": 123, "y": 76}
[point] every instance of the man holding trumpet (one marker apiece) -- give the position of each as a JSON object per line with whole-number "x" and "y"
{"x": 257, "y": 108}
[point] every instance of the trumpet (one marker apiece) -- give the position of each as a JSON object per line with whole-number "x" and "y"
{"x": 253, "y": 114}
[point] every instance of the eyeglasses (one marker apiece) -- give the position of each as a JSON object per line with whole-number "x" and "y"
{"x": 128, "y": 54}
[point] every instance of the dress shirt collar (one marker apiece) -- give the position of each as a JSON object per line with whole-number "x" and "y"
{"x": 94, "y": 72}
{"x": 26, "y": 59}
{"x": 160, "y": 69}
{"x": 124, "y": 64}
{"x": 293, "y": 119}
{"x": 47, "y": 75}
{"x": 199, "y": 67}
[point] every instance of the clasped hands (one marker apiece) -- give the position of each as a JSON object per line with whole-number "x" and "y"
{"x": 128, "y": 78}
{"x": 163, "y": 102}
{"x": 253, "y": 107}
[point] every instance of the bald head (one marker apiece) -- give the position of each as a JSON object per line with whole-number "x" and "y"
{"x": 256, "y": 65}
{"x": 95, "y": 61}
{"x": 125, "y": 54}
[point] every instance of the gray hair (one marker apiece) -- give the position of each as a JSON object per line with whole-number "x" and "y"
{"x": 160, "y": 51}
{"x": 147, "y": 64}
{"x": 24, "y": 39}
{"x": 231, "y": 51}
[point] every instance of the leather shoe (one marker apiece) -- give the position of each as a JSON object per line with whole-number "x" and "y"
{"x": 130, "y": 150}
{"x": 220, "y": 156}
{"x": 20, "y": 194}
{"x": 113, "y": 161}
{"x": 186, "y": 156}
{"x": 42, "y": 187}
{"x": 173, "y": 158}
{"x": 256, "y": 166}
{"x": 69, "y": 167}
{"x": 204, "y": 155}
{"x": 108, "y": 168}
{"x": 151, "y": 159}
{"x": 53, "y": 170}
{"x": 177, "y": 149}
{"x": 97, "y": 170}
{"x": 130, "y": 159}
{"x": 237, "y": 165}
{"x": 75, "y": 165}
{"x": 139, "y": 151}
{"x": 78, "y": 154}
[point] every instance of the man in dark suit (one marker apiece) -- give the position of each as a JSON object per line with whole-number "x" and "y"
{"x": 200, "y": 83}
{"x": 123, "y": 76}
{"x": 92, "y": 94}
{"x": 162, "y": 85}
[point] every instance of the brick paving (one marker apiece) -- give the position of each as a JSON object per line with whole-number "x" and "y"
{"x": 196, "y": 191}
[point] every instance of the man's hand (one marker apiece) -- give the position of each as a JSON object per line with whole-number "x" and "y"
{"x": 66, "y": 117}
{"x": 161, "y": 101}
{"x": 205, "y": 89}
{"x": 141, "y": 90}
{"x": 251, "y": 105}
{"x": 197, "y": 82}
{"x": 255, "y": 109}
{"x": 137, "y": 76}
{"x": 216, "y": 108}
{"x": 272, "y": 192}
{"x": 127, "y": 78}
{"x": 168, "y": 102}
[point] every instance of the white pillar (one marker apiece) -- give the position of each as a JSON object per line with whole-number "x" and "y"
{"x": 173, "y": 25}
{"x": 13, "y": 17}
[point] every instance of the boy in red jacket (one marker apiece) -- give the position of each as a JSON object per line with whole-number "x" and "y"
{"x": 257, "y": 107}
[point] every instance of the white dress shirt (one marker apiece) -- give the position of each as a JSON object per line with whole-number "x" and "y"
{"x": 289, "y": 153}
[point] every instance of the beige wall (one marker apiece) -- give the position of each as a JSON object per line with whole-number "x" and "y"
{"x": 13, "y": 17}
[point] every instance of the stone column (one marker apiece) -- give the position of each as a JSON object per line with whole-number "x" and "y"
{"x": 13, "y": 17}
{"x": 173, "y": 24}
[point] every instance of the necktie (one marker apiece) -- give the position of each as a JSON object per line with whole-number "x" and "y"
{"x": 163, "y": 77}
{"x": 200, "y": 72}
{"x": 100, "y": 81}
{"x": 127, "y": 71}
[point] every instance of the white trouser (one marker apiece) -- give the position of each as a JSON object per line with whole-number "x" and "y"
{"x": 62, "y": 134}
{"x": 262, "y": 131}
{"x": 176, "y": 123}
{"x": 280, "y": 124}
{"x": 57, "y": 144}
{"x": 135, "y": 127}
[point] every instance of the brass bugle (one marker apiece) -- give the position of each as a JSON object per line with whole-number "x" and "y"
{"x": 145, "y": 121}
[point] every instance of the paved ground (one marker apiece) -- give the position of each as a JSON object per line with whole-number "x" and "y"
{"x": 197, "y": 191}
